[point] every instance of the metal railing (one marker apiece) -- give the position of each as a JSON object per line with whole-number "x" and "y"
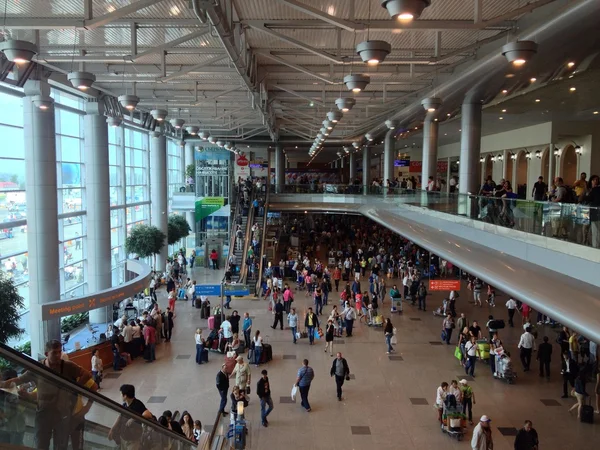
{"x": 578, "y": 223}
{"x": 262, "y": 245}
{"x": 247, "y": 238}
{"x": 102, "y": 408}
{"x": 232, "y": 231}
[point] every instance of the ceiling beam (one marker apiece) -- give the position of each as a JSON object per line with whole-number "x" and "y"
{"x": 390, "y": 25}
{"x": 181, "y": 73}
{"x": 297, "y": 67}
{"x": 119, "y": 13}
{"x": 297, "y": 94}
{"x": 260, "y": 26}
{"x": 173, "y": 43}
{"x": 341, "y": 23}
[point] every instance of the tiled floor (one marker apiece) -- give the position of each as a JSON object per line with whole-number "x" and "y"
{"x": 379, "y": 409}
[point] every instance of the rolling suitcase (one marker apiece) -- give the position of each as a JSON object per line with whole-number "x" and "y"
{"x": 204, "y": 311}
{"x": 222, "y": 344}
{"x": 587, "y": 411}
{"x": 215, "y": 345}
{"x": 211, "y": 323}
{"x": 267, "y": 354}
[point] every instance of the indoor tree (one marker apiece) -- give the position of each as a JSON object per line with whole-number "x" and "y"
{"x": 145, "y": 241}
{"x": 178, "y": 228}
{"x": 11, "y": 303}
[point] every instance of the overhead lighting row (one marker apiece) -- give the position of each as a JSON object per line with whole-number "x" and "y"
{"x": 333, "y": 117}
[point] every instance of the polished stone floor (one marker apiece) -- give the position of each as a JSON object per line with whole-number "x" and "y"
{"x": 387, "y": 403}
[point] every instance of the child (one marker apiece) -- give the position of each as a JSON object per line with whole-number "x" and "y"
{"x": 97, "y": 367}
{"x": 491, "y": 294}
{"x": 198, "y": 431}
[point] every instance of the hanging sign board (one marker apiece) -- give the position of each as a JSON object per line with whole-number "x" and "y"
{"x": 444, "y": 285}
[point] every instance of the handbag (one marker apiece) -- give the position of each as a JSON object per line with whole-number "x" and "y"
{"x": 294, "y": 392}
{"x": 394, "y": 340}
{"x": 320, "y": 332}
{"x": 443, "y": 335}
{"x": 247, "y": 390}
{"x": 458, "y": 353}
{"x": 298, "y": 335}
{"x": 317, "y": 335}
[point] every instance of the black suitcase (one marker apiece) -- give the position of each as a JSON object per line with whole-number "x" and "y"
{"x": 267, "y": 354}
{"x": 587, "y": 414}
{"x": 222, "y": 344}
{"x": 205, "y": 312}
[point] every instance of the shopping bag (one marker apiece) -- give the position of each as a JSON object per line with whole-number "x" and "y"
{"x": 320, "y": 332}
{"x": 458, "y": 353}
{"x": 298, "y": 335}
{"x": 317, "y": 335}
{"x": 394, "y": 340}
{"x": 443, "y": 336}
{"x": 294, "y": 392}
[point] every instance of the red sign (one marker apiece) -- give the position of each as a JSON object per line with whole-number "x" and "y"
{"x": 416, "y": 166}
{"x": 241, "y": 160}
{"x": 444, "y": 285}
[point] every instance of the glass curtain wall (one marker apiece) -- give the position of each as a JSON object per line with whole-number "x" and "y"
{"x": 129, "y": 160}
{"x": 175, "y": 177}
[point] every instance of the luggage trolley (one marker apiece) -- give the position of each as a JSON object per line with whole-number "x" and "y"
{"x": 453, "y": 418}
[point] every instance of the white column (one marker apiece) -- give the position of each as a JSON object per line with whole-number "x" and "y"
{"x": 551, "y": 165}
{"x": 97, "y": 184}
{"x": 279, "y": 168}
{"x": 388, "y": 157}
{"x": 430, "y": 148}
{"x": 158, "y": 192}
{"x": 505, "y": 158}
{"x": 448, "y": 176}
{"x": 42, "y": 215}
{"x": 189, "y": 155}
{"x": 366, "y": 166}
{"x": 352, "y": 165}
{"x": 470, "y": 148}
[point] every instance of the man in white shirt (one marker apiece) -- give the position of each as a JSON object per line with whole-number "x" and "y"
{"x": 406, "y": 282}
{"x": 526, "y": 346}
{"x": 511, "y": 305}
{"x": 226, "y": 329}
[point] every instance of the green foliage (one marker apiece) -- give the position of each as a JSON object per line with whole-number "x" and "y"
{"x": 11, "y": 303}
{"x": 178, "y": 228}
{"x": 70, "y": 323}
{"x": 145, "y": 241}
{"x": 25, "y": 348}
{"x": 190, "y": 171}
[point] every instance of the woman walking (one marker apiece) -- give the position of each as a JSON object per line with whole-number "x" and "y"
{"x": 329, "y": 332}
{"x": 580, "y": 393}
{"x": 389, "y": 334}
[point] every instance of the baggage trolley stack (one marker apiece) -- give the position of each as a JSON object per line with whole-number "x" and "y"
{"x": 504, "y": 368}
{"x": 453, "y": 420}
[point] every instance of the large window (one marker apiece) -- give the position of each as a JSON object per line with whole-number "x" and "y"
{"x": 72, "y": 206}
{"x": 129, "y": 190}
{"x": 13, "y": 226}
{"x": 175, "y": 176}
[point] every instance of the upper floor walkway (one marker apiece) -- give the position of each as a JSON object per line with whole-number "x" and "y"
{"x": 540, "y": 252}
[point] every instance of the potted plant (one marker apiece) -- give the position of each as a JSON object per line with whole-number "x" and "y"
{"x": 145, "y": 241}
{"x": 11, "y": 303}
{"x": 456, "y": 420}
{"x": 178, "y": 228}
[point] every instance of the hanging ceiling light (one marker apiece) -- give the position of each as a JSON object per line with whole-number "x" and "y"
{"x": 356, "y": 145}
{"x": 335, "y": 116}
{"x": 500, "y": 157}
{"x": 373, "y": 52}
{"x": 129, "y": 102}
{"x": 347, "y": 150}
{"x": 81, "y": 80}
{"x": 324, "y": 131}
{"x": 229, "y": 145}
{"x": 177, "y": 123}
{"x": 115, "y": 122}
{"x": 320, "y": 137}
{"x": 204, "y": 135}
{"x": 192, "y": 130}
{"x": 339, "y": 154}
{"x": 405, "y": 9}
{"x": 19, "y": 52}
{"x": 538, "y": 154}
{"x": 345, "y": 104}
{"x": 391, "y": 124}
{"x": 42, "y": 102}
{"x": 519, "y": 52}
{"x": 220, "y": 143}
{"x": 431, "y": 104}
{"x": 212, "y": 139}
{"x": 181, "y": 143}
{"x": 369, "y": 137}
{"x": 153, "y": 134}
{"x": 159, "y": 114}
{"x": 356, "y": 82}
{"x": 328, "y": 124}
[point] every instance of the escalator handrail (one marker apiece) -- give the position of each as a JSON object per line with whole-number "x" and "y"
{"x": 213, "y": 432}
{"x": 233, "y": 229}
{"x": 34, "y": 366}
{"x": 250, "y": 219}
{"x": 262, "y": 245}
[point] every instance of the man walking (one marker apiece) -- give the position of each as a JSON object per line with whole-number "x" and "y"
{"x": 278, "y": 315}
{"x": 468, "y": 399}
{"x": 527, "y": 437}
{"x": 340, "y": 370}
{"x": 293, "y": 323}
{"x": 544, "y": 356}
{"x": 223, "y": 387}
{"x": 303, "y": 381}
{"x": 526, "y": 346}
{"x": 511, "y": 305}
{"x": 311, "y": 322}
{"x": 247, "y": 329}
{"x": 263, "y": 390}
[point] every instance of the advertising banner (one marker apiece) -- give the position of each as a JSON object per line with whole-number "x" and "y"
{"x": 212, "y": 154}
{"x": 242, "y": 166}
{"x": 416, "y": 166}
{"x": 207, "y": 206}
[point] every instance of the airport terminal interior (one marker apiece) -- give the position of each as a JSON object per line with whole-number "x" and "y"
{"x": 299, "y": 224}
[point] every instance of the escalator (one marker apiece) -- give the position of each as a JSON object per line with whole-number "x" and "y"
{"x": 27, "y": 416}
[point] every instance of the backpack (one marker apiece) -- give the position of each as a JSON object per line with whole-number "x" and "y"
{"x": 569, "y": 196}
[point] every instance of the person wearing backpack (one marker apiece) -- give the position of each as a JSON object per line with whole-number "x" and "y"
{"x": 422, "y": 295}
